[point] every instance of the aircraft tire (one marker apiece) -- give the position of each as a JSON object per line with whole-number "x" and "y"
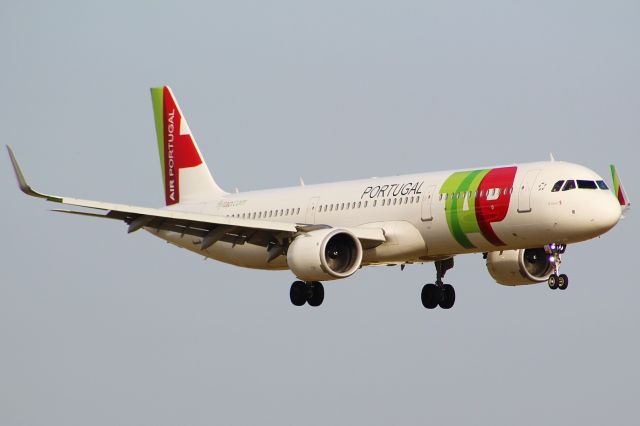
{"x": 298, "y": 293}
{"x": 448, "y": 297}
{"x": 553, "y": 281}
{"x": 563, "y": 282}
{"x": 317, "y": 294}
{"x": 431, "y": 296}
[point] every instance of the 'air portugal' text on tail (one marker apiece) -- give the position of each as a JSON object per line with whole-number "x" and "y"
{"x": 186, "y": 177}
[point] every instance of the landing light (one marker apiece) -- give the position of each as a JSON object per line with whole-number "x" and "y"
{"x": 552, "y": 259}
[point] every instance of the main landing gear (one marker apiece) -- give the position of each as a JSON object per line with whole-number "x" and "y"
{"x": 439, "y": 294}
{"x": 556, "y": 280}
{"x": 311, "y": 292}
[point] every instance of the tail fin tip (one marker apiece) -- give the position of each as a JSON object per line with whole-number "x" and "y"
{"x": 618, "y": 189}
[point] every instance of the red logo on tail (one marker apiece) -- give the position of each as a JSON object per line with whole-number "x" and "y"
{"x": 179, "y": 150}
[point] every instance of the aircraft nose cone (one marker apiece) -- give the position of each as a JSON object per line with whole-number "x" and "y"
{"x": 608, "y": 214}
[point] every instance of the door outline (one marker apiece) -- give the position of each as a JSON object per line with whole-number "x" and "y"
{"x": 524, "y": 192}
{"x": 427, "y": 198}
{"x": 310, "y": 216}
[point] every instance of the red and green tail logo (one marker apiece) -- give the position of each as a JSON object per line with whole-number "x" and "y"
{"x": 474, "y": 200}
{"x": 618, "y": 190}
{"x": 175, "y": 143}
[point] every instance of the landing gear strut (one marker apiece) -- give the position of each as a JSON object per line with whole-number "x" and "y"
{"x": 556, "y": 280}
{"x": 439, "y": 294}
{"x": 311, "y": 292}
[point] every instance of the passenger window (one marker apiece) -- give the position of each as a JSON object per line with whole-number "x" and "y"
{"x": 359, "y": 204}
{"x": 365, "y": 204}
{"x": 298, "y": 210}
{"x": 394, "y": 201}
{"x": 417, "y": 198}
{"x": 587, "y": 184}
{"x": 602, "y": 184}
{"x": 348, "y": 204}
{"x": 281, "y": 212}
{"x": 342, "y": 206}
{"x": 375, "y": 203}
{"x": 569, "y": 185}
{"x": 557, "y": 186}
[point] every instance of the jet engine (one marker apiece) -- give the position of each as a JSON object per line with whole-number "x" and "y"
{"x": 325, "y": 254}
{"x": 519, "y": 267}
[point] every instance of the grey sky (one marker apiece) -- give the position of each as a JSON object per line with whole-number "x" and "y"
{"x": 100, "y": 327}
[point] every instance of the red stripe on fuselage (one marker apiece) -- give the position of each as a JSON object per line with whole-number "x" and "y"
{"x": 489, "y": 211}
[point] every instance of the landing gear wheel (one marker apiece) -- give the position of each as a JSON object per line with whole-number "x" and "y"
{"x": 431, "y": 296}
{"x": 563, "y": 282}
{"x": 317, "y": 293}
{"x": 448, "y": 297}
{"x": 553, "y": 281}
{"x": 298, "y": 293}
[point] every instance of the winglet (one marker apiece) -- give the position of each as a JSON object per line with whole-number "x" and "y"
{"x": 22, "y": 182}
{"x": 618, "y": 190}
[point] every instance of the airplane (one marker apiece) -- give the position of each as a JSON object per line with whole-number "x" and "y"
{"x": 521, "y": 217}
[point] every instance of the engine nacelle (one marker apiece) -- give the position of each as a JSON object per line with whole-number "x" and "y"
{"x": 519, "y": 267}
{"x": 325, "y": 254}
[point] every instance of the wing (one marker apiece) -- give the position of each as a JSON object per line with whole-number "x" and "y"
{"x": 211, "y": 228}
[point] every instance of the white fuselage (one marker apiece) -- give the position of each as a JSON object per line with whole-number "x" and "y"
{"x": 423, "y": 220}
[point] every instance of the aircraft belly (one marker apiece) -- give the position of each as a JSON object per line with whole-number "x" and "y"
{"x": 245, "y": 255}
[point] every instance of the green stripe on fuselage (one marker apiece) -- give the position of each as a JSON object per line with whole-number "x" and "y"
{"x": 462, "y": 221}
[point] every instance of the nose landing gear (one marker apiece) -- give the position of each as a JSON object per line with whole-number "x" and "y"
{"x": 556, "y": 281}
{"x": 439, "y": 294}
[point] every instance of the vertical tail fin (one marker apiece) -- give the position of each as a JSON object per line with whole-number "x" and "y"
{"x": 618, "y": 189}
{"x": 186, "y": 176}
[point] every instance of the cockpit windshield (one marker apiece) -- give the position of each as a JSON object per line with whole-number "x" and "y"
{"x": 587, "y": 184}
{"x": 566, "y": 185}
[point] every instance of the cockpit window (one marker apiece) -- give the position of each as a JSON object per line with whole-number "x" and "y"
{"x": 587, "y": 184}
{"x": 602, "y": 185}
{"x": 569, "y": 185}
{"x": 557, "y": 186}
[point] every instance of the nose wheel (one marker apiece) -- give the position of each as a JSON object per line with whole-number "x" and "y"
{"x": 439, "y": 294}
{"x": 556, "y": 280}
